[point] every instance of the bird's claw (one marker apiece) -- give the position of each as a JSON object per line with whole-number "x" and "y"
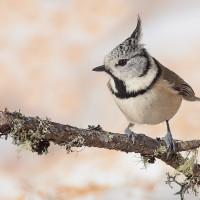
{"x": 170, "y": 143}
{"x": 131, "y": 134}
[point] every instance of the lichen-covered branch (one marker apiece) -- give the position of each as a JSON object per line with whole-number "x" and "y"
{"x": 35, "y": 134}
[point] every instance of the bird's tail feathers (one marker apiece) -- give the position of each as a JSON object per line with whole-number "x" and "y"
{"x": 197, "y": 98}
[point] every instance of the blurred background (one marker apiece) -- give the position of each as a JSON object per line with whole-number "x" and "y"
{"x": 47, "y": 51}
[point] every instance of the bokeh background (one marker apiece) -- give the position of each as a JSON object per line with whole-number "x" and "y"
{"x": 47, "y": 51}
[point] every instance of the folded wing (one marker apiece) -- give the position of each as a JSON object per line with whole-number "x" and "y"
{"x": 177, "y": 83}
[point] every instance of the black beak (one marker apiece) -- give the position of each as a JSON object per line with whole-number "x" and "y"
{"x": 99, "y": 69}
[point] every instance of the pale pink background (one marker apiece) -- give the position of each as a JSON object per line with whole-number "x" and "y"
{"x": 47, "y": 51}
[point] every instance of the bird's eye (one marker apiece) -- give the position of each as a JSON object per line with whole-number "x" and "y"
{"x": 122, "y": 62}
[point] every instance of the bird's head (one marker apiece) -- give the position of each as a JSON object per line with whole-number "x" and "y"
{"x": 129, "y": 59}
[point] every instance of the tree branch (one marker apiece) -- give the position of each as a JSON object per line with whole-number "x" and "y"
{"x": 36, "y": 134}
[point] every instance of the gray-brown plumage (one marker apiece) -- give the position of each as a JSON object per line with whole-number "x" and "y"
{"x": 145, "y": 91}
{"x": 178, "y": 83}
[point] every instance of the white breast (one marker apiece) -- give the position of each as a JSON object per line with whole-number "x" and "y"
{"x": 153, "y": 107}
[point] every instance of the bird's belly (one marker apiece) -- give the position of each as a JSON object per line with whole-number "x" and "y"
{"x": 155, "y": 106}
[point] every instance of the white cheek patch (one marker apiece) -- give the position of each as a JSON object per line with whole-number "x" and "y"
{"x": 137, "y": 66}
{"x": 112, "y": 85}
{"x": 139, "y": 83}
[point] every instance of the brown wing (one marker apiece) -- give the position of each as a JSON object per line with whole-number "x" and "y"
{"x": 177, "y": 83}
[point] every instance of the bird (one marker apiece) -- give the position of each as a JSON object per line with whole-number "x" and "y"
{"x": 145, "y": 91}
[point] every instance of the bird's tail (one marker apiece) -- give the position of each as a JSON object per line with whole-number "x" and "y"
{"x": 197, "y": 99}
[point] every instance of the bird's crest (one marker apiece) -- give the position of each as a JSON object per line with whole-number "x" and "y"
{"x": 131, "y": 43}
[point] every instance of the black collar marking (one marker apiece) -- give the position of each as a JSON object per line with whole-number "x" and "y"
{"x": 147, "y": 67}
{"x": 121, "y": 88}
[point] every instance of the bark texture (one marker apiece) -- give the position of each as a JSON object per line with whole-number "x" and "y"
{"x": 35, "y": 134}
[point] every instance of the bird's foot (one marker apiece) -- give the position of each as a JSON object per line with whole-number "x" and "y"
{"x": 130, "y": 134}
{"x": 169, "y": 142}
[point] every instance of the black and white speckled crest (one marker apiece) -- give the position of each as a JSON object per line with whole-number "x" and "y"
{"x": 130, "y": 44}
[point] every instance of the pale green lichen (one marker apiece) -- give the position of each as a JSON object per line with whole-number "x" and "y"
{"x": 25, "y": 146}
{"x": 160, "y": 150}
{"x": 191, "y": 183}
{"x": 110, "y": 136}
{"x": 145, "y": 162}
{"x": 34, "y": 134}
{"x": 188, "y": 165}
{"x": 18, "y": 123}
{"x": 77, "y": 141}
{"x": 16, "y": 133}
{"x": 32, "y": 140}
{"x": 149, "y": 159}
